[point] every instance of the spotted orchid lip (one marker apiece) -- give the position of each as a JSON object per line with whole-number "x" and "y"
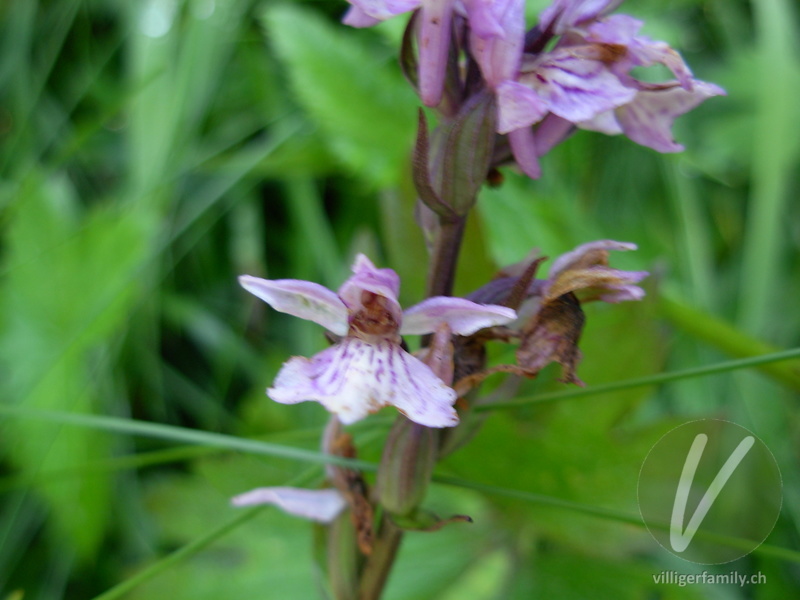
{"x": 355, "y": 378}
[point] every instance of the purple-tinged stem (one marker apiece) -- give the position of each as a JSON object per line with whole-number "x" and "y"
{"x": 379, "y": 564}
{"x": 442, "y": 271}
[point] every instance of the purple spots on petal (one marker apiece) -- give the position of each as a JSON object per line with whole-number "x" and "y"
{"x": 380, "y": 371}
{"x": 392, "y": 372}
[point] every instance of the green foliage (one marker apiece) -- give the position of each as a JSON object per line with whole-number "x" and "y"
{"x": 264, "y": 555}
{"x": 152, "y": 151}
{"x": 70, "y": 286}
{"x": 332, "y": 72}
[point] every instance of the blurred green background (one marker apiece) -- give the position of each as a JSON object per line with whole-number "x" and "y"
{"x": 153, "y": 150}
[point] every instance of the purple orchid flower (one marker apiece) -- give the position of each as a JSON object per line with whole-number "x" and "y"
{"x": 368, "y": 369}
{"x": 585, "y": 81}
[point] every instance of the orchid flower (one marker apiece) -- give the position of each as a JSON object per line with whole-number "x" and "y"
{"x": 585, "y": 81}
{"x": 368, "y": 368}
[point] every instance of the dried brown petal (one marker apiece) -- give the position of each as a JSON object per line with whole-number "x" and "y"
{"x": 552, "y": 336}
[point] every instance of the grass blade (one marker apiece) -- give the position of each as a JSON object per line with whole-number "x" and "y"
{"x": 658, "y": 378}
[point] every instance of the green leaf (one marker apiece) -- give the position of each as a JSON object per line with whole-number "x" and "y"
{"x": 271, "y": 552}
{"x": 366, "y": 110}
{"x": 70, "y": 287}
{"x": 425, "y": 520}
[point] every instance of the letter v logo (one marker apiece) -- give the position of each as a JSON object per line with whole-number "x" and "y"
{"x": 679, "y": 538}
{"x": 709, "y": 476}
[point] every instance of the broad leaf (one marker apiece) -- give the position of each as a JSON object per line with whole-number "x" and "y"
{"x": 366, "y": 110}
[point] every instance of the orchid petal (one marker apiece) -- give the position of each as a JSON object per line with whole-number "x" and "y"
{"x": 578, "y": 256}
{"x": 648, "y": 119}
{"x": 576, "y": 87}
{"x": 366, "y": 277}
{"x": 420, "y": 395}
{"x": 621, "y": 30}
{"x": 434, "y": 46}
{"x": 355, "y": 17}
{"x": 518, "y": 106}
{"x": 586, "y": 269}
{"x": 385, "y": 9}
{"x": 318, "y": 505}
{"x": 596, "y": 278}
{"x": 605, "y": 122}
{"x": 616, "y": 29}
{"x": 463, "y": 316}
{"x": 526, "y": 154}
{"x": 551, "y": 131}
{"x": 624, "y": 293}
{"x": 552, "y": 336}
{"x": 303, "y": 299}
{"x": 483, "y": 19}
{"x": 498, "y": 53}
{"x": 355, "y": 378}
{"x": 564, "y": 14}
{"x": 647, "y": 52}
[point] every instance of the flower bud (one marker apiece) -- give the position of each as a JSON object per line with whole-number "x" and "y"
{"x": 406, "y": 466}
{"x": 451, "y": 166}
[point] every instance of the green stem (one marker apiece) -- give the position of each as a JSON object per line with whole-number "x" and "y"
{"x": 441, "y": 278}
{"x": 379, "y": 564}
